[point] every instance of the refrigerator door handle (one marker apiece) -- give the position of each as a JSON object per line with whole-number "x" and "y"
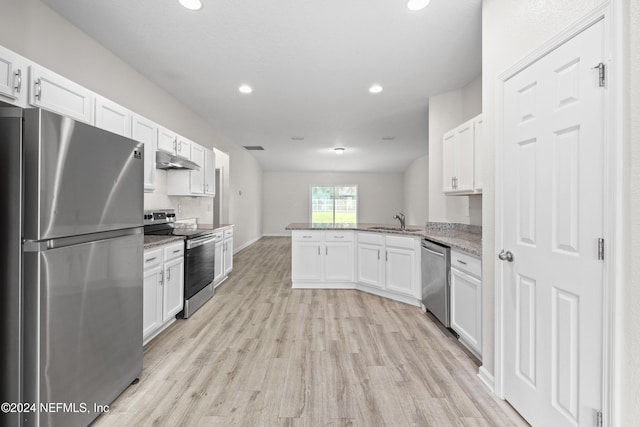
{"x": 60, "y": 242}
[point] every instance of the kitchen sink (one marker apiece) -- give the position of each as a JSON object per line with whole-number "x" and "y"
{"x": 391, "y": 228}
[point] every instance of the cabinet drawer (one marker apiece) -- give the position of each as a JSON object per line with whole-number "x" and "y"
{"x": 152, "y": 258}
{"x": 371, "y": 238}
{"x": 401, "y": 242}
{"x": 338, "y": 236}
{"x": 228, "y": 232}
{"x": 307, "y": 236}
{"x": 466, "y": 263}
{"x": 218, "y": 235}
{"x": 174, "y": 251}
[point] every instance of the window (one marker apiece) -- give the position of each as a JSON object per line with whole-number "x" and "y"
{"x": 334, "y": 204}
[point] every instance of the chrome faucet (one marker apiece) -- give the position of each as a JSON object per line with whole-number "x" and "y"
{"x": 400, "y": 217}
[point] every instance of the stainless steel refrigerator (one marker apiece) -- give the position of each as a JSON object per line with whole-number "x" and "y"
{"x": 71, "y": 266}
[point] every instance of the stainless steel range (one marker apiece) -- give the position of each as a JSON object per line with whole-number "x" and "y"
{"x": 199, "y": 256}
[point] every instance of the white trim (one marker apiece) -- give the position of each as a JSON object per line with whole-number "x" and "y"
{"x": 288, "y": 234}
{"x": 612, "y": 14}
{"x": 245, "y": 245}
{"x": 486, "y": 378}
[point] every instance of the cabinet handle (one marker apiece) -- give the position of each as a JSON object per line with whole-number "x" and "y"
{"x": 461, "y": 262}
{"x": 378, "y": 254}
{"x": 169, "y": 274}
{"x": 180, "y": 147}
{"x": 318, "y": 249}
{"x": 307, "y": 237}
{"x": 176, "y": 251}
{"x": 162, "y": 278}
{"x": 386, "y": 256}
{"x": 38, "y": 94}
{"x": 18, "y": 86}
{"x": 150, "y": 259}
{"x": 326, "y": 250}
{"x": 175, "y": 145}
{"x": 338, "y": 237}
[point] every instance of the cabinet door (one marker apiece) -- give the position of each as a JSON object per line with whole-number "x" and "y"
{"x": 55, "y": 93}
{"x": 478, "y": 147}
{"x": 466, "y": 309}
{"x": 400, "y": 268}
{"x": 146, "y": 131}
{"x": 173, "y": 292}
{"x": 183, "y": 148}
{"x": 209, "y": 172}
{"x": 218, "y": 266}
{"x": 113, "y": 117}
{"x": 448, "y": 161}
{"x": 13, "y": 78}
{"x": 228, "y": 256}
{"x": 167, "y": 140}
{"x": 464, "y": 158}
{"x": 151, "y": 300}
{"x": 196, "y": 178}
{"x": 306, "y": 262}
{"x": 370, "y": 265}
{"x": 338, "y": 263}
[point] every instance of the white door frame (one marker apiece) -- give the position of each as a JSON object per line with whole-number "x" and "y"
{"x": 612, "y": 14}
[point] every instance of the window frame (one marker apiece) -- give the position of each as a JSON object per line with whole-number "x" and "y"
{"x": 310, "y": 204}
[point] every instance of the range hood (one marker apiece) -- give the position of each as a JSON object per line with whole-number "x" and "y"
{"x": 166, "y": 160}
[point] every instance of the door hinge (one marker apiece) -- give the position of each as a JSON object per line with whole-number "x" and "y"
{"x": 599, "y": 419}
{"x": 601, "y": 74}
{"x": 600, "y": 248}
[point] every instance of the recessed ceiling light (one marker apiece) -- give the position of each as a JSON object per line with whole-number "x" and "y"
{"x": 338, "y": 150}
{"x": 245, "y": 89}
{"x": 191, "y": 4}
{"x": 375, "y": 89}
{"x": 417, "y": 4}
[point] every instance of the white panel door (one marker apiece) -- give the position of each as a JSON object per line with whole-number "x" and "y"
{"x": 448, "y": 161}
{"x": 464, "y": 158}
{"x": 466, "y": 308}
{"x": 13, "y": 78}
{"x": 196, "y": 178}
{"x": 370, "y": 265}
{"x": 151, "y": 300}
{"x": 55, "y": 93}
{"x": 306, "y": 261}
{"x": 399, "y": 269}
{"x": 209, "y": 172}
{"x": 553, "y": 218}
{"x": 228, "y": 256}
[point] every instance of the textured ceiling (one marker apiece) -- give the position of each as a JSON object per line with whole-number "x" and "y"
{"x": 310, "y": 64}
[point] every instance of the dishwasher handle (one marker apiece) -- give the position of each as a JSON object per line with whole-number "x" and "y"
{"x": 433, "y": 252}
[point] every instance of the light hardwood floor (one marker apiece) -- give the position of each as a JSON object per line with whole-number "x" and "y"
{"x": 262, "y": 354}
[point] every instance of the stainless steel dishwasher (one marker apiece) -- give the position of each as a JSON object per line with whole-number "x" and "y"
{"x": 435, "y": 280}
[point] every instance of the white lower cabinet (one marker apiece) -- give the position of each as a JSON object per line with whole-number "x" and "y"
{"x": 466, "y": 300}
{"x": 223, "y": 255}
{"x": 386, "y": 265}
{"x": 163, "y": 288}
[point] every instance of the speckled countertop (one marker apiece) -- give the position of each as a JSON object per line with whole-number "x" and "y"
{"x": 467, "y": 238}
{"x": 153, "y": 241}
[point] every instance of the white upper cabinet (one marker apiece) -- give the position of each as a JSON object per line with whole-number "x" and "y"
{"x": 196, "y": 178}
{"x": 167, "y": 140}
{"x": 194, "y": 183}
{"x": 112, "y": 117}
{"x": 13, "y": 78}
{"x": 183, "y": 148}
{"x": 53, "y": 92}
{"x": 146, "y": 131}
{"x": 209, "y": 172}
{"x": 459, "y": 158}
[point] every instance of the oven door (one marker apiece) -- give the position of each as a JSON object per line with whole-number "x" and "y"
{"x": 199, "y": 264}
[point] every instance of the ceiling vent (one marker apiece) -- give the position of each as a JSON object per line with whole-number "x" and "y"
{"x": 254, "y": 147}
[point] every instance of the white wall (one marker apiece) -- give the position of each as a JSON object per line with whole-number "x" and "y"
{"x": 287, "y": 196}
{"x": 446, "y": 111}
{"x": 416, "y": 191}
{"x": 34, "y": 31}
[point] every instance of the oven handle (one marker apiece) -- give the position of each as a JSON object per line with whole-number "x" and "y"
{"x": 195, "y": 242}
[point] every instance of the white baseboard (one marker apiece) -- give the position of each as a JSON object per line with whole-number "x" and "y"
{"x": 249, "y": 243}
{"x": 486, "y": 378}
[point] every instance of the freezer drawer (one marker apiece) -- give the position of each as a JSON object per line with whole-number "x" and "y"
{"x": 83, "y": 325}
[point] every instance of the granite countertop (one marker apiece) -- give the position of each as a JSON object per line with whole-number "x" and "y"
{"x": 153, "y": 241}
{"x": 467, "y": 238}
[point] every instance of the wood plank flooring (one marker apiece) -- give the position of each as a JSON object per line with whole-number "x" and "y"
{"x": 262, "y": 354}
